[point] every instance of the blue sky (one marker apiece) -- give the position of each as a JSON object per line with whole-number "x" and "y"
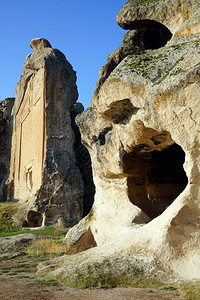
{"x": 84, "y": 30}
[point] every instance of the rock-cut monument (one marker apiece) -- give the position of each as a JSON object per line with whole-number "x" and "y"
{"x": 43, "y": 173}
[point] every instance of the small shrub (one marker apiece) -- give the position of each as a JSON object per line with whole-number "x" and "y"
{"x": 7, "y": 210}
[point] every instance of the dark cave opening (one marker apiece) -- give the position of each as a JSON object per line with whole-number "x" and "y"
{"x": 154, "y": 39}
{"x": 34, "y": 219}
{"x": 155, "y": 179}
{"x": 150, "y": 34}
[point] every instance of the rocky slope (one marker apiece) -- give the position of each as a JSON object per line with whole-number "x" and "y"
{"x": 142, "y": 132}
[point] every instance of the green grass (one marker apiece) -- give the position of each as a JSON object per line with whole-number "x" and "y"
{"x": 169, "y": 288}
{"x": 22, "y": 266}
{"x": 21, "y": 271}
{"x": 47, "y": 282}
{"x": 23, "y": 276}
{"x": 6, "y": 268}
{"x": 5, "y": 271}
{"x": 47, "y": 231}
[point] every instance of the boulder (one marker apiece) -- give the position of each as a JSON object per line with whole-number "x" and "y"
{"x": 142, "y": 132}
{"x": 44, "y": 177}
{"x": 12, "y": 246}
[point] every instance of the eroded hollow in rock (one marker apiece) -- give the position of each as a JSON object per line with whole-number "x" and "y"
{"x": 34, "y": 219}
{"x": 120, "y": 111}
{"x": 150, "y": 34}
{"x": 155, "y": 178}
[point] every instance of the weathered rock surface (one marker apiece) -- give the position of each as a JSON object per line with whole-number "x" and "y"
{"x": 5, "y": 144}
{"x": 43, "y": 172}
{"x": 104, "y": 267}
{"x": 83, "y": 161}
{"x": 142, "y": 132}
{"x": 13, "y": 245}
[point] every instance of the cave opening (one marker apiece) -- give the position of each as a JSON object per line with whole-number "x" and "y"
{"x": 150, "y": 34}
{"x": 155, "y": 178}
{"x": 154, "y": 39}
{"x": 34, "y": 219}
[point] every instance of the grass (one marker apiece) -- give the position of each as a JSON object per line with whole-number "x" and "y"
{"x": 191, "y": 290}
{"x": 169, "y": 288}
{"x": 7, "y": 210}
{"x": 47, "y": 282}
{"x": 46, "y": 246}
{"x": 22, "y": 266}
{"x": 24, "y": 276}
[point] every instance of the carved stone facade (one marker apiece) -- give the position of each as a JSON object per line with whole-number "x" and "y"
{"x": 43, "y": 172}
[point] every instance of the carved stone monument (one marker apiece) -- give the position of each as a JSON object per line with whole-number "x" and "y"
{"x": 43, "y": 173}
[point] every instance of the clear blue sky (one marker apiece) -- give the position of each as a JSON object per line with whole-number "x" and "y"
{"x": 84, "y": 30}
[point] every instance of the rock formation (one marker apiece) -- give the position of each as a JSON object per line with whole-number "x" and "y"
{"x": 142, "y": 132}
{"x": 43, "y": 173}
{"x": 5, "y": 144}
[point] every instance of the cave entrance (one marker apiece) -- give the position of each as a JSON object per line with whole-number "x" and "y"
{"x": 34, "y": 219}
{"x": 156, "y": 178}
{"x": 150, "y": 34}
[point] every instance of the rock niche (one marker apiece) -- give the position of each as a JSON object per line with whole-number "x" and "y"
{"x": 142, "y": 132}
{"x": 44, "y": 177}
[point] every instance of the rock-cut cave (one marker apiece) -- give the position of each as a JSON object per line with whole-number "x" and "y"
{"x": 155, "y": 178}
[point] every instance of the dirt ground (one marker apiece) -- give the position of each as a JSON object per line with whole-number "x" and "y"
{"x": 18, "y": 281}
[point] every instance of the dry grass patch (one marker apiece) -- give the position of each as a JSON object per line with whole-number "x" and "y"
{"x": 46, "y": 246}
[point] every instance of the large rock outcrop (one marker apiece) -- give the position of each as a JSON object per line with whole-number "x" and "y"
{"x": 43, "y": 173}
{"x": 5, "y": 144}
{"x": 142, "y": 132}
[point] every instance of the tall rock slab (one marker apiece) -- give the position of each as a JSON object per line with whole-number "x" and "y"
{"x": 142, "y": 132}
{"x": 5, "y": 144}
{"x": 43, "y": 173}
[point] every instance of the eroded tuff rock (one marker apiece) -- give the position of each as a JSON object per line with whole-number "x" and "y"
{"x": 83, "y": 161}
{"x": 11, "y": 246}
{"x": 43, "y": 174}
{"x": 142, "y": 132}
{"x": 5, "y": 144}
